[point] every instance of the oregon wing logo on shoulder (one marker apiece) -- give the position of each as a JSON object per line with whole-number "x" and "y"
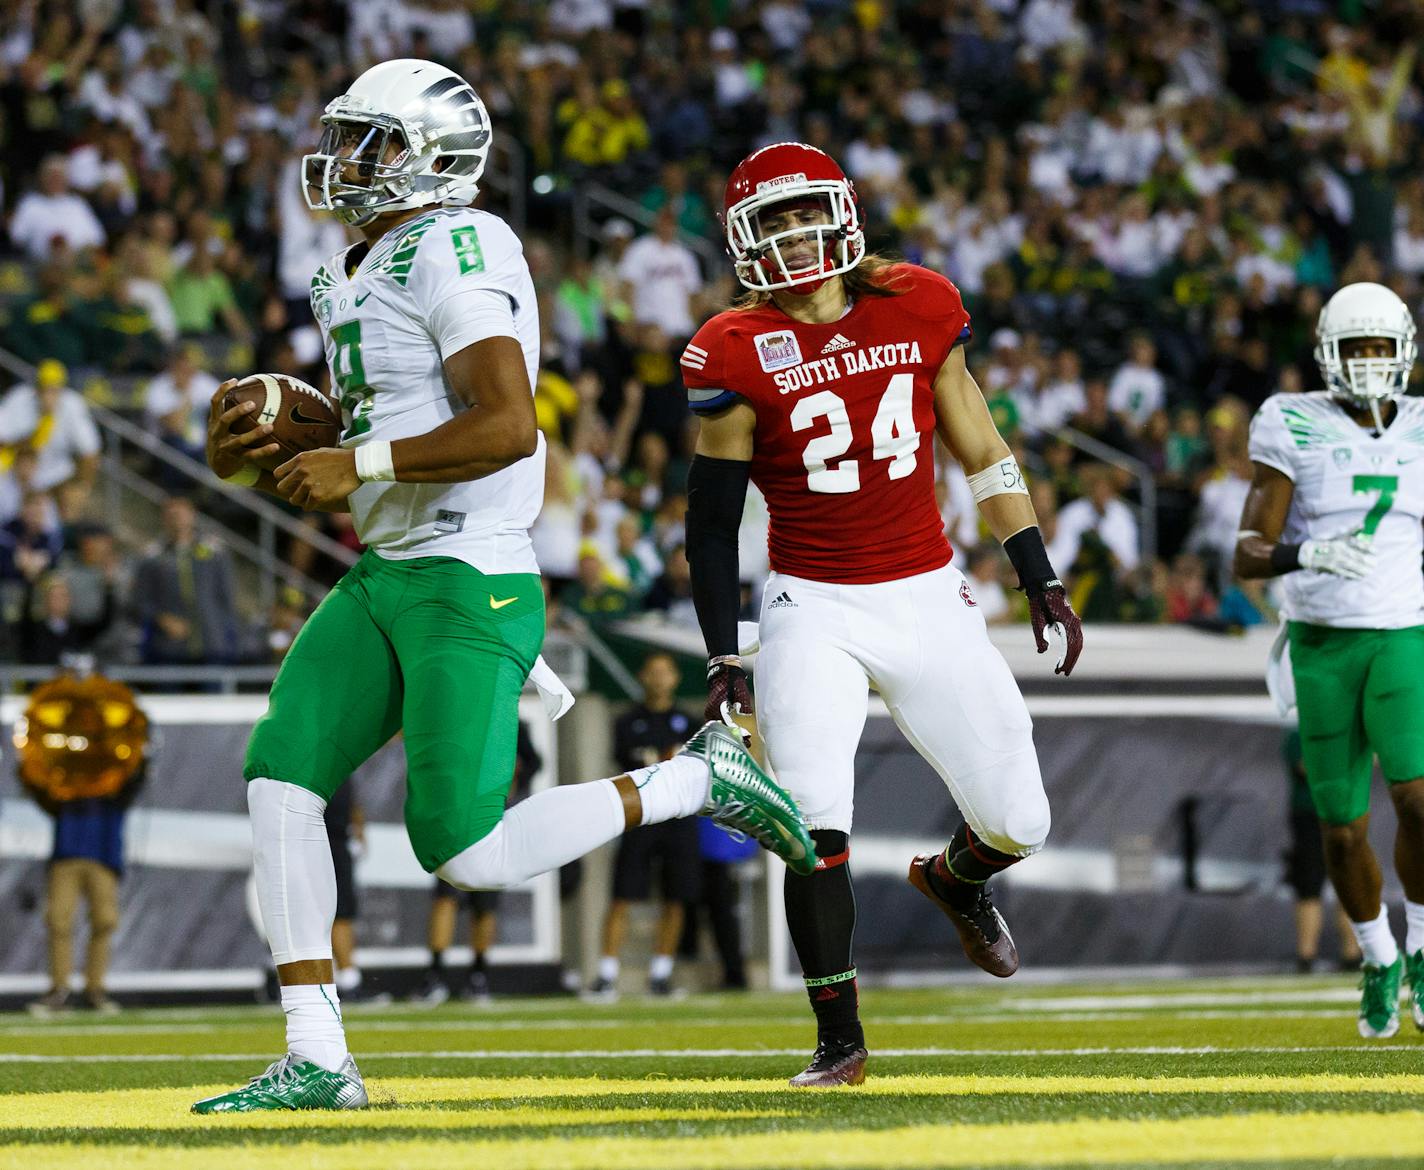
{"x": 777, "y": 351}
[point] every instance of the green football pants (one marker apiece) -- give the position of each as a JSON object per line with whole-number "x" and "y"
{"x": 431, "y": 646}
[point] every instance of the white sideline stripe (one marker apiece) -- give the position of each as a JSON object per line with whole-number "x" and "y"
{"x": 1412, "y": 1049}
{"x": 361, "y": 1025}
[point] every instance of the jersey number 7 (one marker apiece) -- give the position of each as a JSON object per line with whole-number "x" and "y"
{"x": 892, "y": 432}
{"x": 1385, "y": 485}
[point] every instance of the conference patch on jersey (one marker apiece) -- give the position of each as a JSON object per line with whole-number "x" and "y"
{"x": 777, "y": 351}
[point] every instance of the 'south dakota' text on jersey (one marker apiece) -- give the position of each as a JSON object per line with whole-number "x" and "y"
{"x": 851, "y": 361}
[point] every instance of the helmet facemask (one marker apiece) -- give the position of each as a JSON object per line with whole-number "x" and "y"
{"x": 1366, "y": 381}
{"x": 796, "y": 235}
{"x": 357, "y": 170}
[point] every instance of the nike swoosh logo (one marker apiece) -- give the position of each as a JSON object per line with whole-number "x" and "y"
{"x": 501, "y": 604}
{"x": 306, "y": 420}
{"x": 362, "y": 299}
{"x": 1402, "y": 462}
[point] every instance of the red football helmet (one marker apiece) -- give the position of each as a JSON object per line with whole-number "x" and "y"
{"x": 791, "y": 173}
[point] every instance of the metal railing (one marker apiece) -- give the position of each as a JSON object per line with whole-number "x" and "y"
{"x": 591, "y": 196}
{"x": 268, "y": 518}
{"x": 566, "y": 654}
{"x": 1146, "y": 483}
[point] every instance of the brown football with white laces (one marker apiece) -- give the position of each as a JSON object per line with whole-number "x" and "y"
{"x": 302, "y": 417}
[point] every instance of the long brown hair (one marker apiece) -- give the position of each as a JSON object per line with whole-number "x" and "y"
{"x": 870, "y": 278}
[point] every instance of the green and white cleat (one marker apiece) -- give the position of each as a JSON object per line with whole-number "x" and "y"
{"x": 291, "y": 1083}
{"x": 747, "y": 800}
{"x": 1379, "y": 1003}
{"x": 1414, "y": 976}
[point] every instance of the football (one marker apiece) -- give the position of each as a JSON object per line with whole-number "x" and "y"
{"x": 302, "y": 417}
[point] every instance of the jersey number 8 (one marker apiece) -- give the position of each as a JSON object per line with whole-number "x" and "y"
{"x": 892, "y": 432}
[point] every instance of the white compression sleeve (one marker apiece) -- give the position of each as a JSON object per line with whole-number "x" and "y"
{"x": 547, "y": 830}
{"x": 296, "y": 879}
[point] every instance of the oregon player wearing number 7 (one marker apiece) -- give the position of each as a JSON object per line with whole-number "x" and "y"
{"x": 432, "y": 336}
{"x": 1337, "y": 503}
{"x": 827, "y": 387}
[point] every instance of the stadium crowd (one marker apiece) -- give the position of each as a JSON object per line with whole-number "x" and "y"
{"x": 1144, "y": 205}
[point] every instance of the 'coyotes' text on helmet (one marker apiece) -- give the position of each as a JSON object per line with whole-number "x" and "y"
{"x": 797, "y": 253}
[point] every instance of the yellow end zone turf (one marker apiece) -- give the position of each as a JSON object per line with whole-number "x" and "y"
{"x": 1243, "y": 1138}
{"x": 426, "y": 1101}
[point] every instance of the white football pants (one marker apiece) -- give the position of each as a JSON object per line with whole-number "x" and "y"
{"x": 922, "y": 644}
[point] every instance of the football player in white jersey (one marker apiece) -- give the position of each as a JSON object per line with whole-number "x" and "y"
{"x": 1337, "y": 503}
{"x": 432, "y": 336}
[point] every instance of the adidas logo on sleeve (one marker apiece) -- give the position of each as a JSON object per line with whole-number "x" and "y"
{"x": 782, "y": 601}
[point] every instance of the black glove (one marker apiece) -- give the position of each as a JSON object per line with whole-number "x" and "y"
{"x": 727, "y": 684}
{"x": 1047, "y": 599}
{"x": 1048, "y": 605}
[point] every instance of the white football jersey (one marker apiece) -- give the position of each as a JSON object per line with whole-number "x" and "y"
{"x": 430, "y": 287}
{"x": 1348, "y": 481}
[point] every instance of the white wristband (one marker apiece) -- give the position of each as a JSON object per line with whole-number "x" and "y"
{"x": 249, "y": 474}
{"x": 998, "y": 479}
{"x": 373, "y": 461}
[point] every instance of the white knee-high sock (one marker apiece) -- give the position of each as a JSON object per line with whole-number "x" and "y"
{"x": 314, "y": 1028}
{"x": 541, "y": 833}
{"x": 296, "y": 879}
{"x": 1377, "y": 940}
{"x": 673, "y": 788}
{"x": 1413, "y": 926}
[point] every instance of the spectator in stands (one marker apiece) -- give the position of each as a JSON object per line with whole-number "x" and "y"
{"x": 30, "y": 544}
{"x": 595, "y": 597}
{"x": 661, "y": 279}
{"x": 52, "y": 213}
{"x": 651, "y": 731}
{"x": 1188, "y": 598}
{"x": 690, "y": 210}
{"x": 202, "y": 298}
{"x": 176, "y": 405}
{"x": 48, "y": 628}
{"x": 1099, "y": 421}
{"x": 671, "y": 594}
{"x": 55, "y": 423}
{"x": 183, "y": 594}
{"x": 1138, "y": 388}
{"x": 52, "y": 323}
{"x": 1099, "y": 510}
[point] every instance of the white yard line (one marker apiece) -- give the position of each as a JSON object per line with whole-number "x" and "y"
{"x": 700, "y": 1053}
{"x": 581, "y": 1024}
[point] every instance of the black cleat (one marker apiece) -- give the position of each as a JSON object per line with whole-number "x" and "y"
{"x": 982, "y": 931}
{"x": 831, "y": 1066}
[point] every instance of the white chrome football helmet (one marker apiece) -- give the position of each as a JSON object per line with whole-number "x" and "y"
{"x": 406, "y": 134}
{"x": 1365, "y": 310}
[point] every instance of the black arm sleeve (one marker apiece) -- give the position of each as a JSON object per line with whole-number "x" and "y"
{"x": 716, "y": 493}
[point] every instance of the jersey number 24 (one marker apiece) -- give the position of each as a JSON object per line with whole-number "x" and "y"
{"x": 892, "y": 432}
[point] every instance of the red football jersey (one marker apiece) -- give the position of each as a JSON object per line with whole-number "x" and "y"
{"x": 844, "y": 449}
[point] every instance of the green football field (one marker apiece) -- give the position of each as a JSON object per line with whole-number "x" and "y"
{"x": 1203, "y": 1073}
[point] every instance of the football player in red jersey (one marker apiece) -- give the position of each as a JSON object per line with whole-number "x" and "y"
{"x": 826, "y": 387}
